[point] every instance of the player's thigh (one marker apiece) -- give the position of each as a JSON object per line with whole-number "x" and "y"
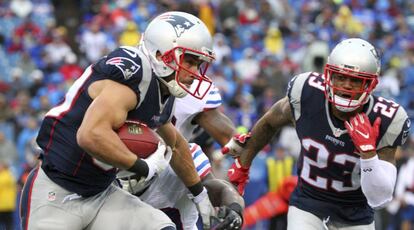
{"x": 358, "y": 227}
{"x": 124, "y": 211}
{"x": 299, "y": 220}
{"x": 42, "y": 205}
{"x": 54, "y": 218}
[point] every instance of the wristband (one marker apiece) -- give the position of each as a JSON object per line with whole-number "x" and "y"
{"x": 196, "y": 189}
{"x": 140, "y": 168}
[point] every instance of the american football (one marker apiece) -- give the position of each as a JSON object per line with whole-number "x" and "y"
{"x": 139, "y": 138}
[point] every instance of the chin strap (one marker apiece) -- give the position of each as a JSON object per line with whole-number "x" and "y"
{"x": 173, "y": 87}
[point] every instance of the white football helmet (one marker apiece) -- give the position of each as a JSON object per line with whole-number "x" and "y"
{"x": 358, "y": 60}
{"x": 175, "y": 34}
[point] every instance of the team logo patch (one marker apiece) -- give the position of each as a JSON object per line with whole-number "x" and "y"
{"x": 156, "y": 118}
{"x": 126, "y": 65}
{"x": 51, "y": 196}
{"x": 179, "y": 23}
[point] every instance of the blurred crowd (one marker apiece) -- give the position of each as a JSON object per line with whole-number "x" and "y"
{"x": 260, "y": 46}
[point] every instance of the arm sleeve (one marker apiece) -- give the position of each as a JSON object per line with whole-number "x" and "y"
{"x": 201, "y": 162}
{"x": 213, "y": 98}
{"x": 378, "y": 179}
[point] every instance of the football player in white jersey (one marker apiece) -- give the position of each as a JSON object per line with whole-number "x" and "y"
{"x": 168, "y": 193}
{"x": 190, "y": 113}
{"x": 349, "y": 137}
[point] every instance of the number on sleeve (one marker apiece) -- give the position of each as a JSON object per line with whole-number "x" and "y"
{"x": 385, "y": 107}
{"x": 316, "y": 82}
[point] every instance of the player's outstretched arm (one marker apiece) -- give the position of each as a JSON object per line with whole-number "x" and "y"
{"x": 183, "y": 165}
{"x": 218, "y": 125}
{"x": 181, "y": 161}
{"x": 221, "y": 192}
{"x": 272, "y": 121}
{"x": 107, "y": 112}
{"x": 223, "y": 195}
{"x": 279, "y": 115}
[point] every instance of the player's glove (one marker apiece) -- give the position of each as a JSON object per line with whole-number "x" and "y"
{"x": 228, "y": 218}
{"x": 156, "y": 162}
{"x": 133, "y": 184}
{"x": 235, "y": 146}
{"x": 238, "y": 175}
{"x": 362, "y": 133}
{"x": 159, "y": 160}
{"x": 204, "y": 207}
{"x": 133, "y": 179}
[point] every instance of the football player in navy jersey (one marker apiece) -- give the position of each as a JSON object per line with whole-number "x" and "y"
{"x": 349, "y": 138}
{"x": 74, "y": 187}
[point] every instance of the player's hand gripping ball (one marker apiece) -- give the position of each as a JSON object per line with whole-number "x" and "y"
{"x": 139, "y": 138}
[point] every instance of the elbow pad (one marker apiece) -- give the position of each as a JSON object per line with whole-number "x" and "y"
{"x": 378, "y": 179}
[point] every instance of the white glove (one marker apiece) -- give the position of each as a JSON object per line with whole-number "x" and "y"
{"x": 204, "y": 207}
{"x": 236, "y": 144}
{"x": 158, "y": 161}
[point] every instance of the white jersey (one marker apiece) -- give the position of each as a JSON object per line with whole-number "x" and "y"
{"x": 168, "y": 191}
{"x": 188, "y": 107}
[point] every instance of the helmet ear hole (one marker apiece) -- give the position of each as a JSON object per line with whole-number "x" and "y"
{"x": 158, "y": 55}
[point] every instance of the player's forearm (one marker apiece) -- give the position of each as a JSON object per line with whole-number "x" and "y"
{"x": 222, "y": 129}
{"x": 223, "y": 133}
{"x": 262, "y": 133}
{"x": 183, "y": 164}
{"x": 106, "y": 146}
{"x": 181, "y": 161}
{"x": 222, "y": 193}
{"x": 218, "y": 125}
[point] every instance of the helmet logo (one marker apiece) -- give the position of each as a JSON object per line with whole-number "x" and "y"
{"x": 377, "y": 58}
{"x": 179, "y": 23}
{"x": 374, "y": 52}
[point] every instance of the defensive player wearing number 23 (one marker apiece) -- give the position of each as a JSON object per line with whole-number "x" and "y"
{"x": 349, "y": 138}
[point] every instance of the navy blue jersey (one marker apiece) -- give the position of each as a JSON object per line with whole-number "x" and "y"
{"x": 63, "y": 160}
{"x": 328, "y": 165}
